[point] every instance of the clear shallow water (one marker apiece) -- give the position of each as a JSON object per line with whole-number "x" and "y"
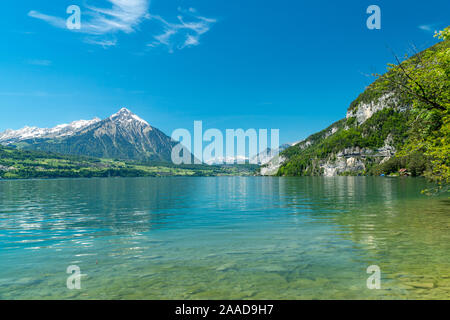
{"x": 223, "y": 238}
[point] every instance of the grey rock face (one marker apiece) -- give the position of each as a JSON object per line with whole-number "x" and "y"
{"x": 353, "y": 159}
{"x": 271, "y": 168}
{"x": 366, "y": 110}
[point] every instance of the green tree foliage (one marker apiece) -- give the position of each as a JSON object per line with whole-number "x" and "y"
{"x": 22, "y": 164}
{"x": 370, "y": 135}
{"x": 443, "y": 34}
{"x": 416, "y": 118}
{"x": 424, "y": 80}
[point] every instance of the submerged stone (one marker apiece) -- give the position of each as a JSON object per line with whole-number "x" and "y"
{"x": 421, "y": 285}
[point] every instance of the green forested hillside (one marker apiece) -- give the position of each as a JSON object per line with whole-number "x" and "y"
{"x": 371, "y": 135}
{"x": 21, "y": 164}
{"x": 398, "y": 125}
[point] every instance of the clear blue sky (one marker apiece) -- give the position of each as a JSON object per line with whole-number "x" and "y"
{"x": 291, "y": 65}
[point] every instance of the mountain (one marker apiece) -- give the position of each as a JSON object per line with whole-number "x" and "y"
{"x": 266, "y": 155}
{"x": 227, "y": 160}
{"x": 62, "y": 130}
{"x": 379, "y": 124}
{"x": 123, "y": 135}
{"x": 259, "y": 159}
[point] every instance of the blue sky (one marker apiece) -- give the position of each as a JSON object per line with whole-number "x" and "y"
{"x": 290, "y": 65}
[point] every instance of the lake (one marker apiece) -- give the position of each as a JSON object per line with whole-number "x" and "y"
{"x": 223, "y": 238}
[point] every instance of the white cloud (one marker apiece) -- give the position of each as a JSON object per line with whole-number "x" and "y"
{"x": 432, "y": 27}
{"x": 165, "y": 37}
{"x": 34, "y": 94}
{"x": 43, "y": 63}
{"x": 191, "y": 41}
{"x": 54, "y": 21}
{"x": 122, "y": 16}
{"x": 125, "y": 16}
{"x": 184, "y": 33}
{"x": 425, "y": 27}
{"x": 101, "y": 42}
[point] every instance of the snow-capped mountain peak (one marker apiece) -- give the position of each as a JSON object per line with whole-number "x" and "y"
{"x": 83, "y": 123}
{"x": 122, "y": 117}
{"x": 122, "y": 135}
{"x": 125, "y": 115}
{"x": 122, "y": 112}
{"x": 63, "y": 130}
{"x": 70, "y": 128}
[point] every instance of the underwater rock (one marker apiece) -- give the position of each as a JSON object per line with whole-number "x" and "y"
{"x": 421, "y": 285}
{"x": 225, "y": 267}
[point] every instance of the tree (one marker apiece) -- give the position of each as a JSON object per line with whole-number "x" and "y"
{"x": 444, "y": 34}
{"x": 423, "y": 81}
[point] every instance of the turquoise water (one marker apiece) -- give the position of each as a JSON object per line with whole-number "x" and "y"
{"x": 223, "y": 238}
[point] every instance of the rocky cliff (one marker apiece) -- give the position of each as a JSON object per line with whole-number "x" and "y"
{"x": 375, "y": 129}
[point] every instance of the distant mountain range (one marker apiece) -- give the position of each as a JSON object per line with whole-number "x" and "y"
{"x": 63, "y": 130}
{"x": 123, "y": 135}
{"x": 265, "y": 156}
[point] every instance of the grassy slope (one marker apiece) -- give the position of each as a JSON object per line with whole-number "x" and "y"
{"x": 21, "y": 164}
